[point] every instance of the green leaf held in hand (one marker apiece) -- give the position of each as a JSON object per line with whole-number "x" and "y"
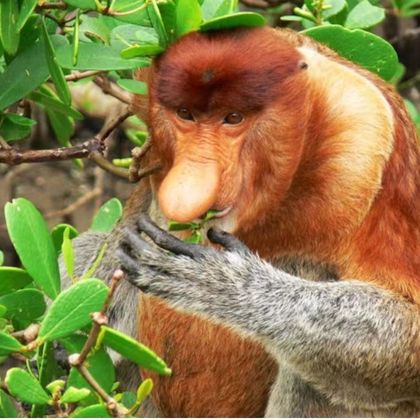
{"x": 13, "y": 278}
{"x": 133, "y": 350}
{"x": 72, "y": 308}
{"x": 31, "y": 238}
{"x": 25, "y": 387}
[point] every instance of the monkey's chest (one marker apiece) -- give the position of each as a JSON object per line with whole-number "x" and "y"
{"x": 216, "y": 373}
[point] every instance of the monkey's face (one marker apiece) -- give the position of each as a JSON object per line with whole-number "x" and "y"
{"x": 224, "y": 122}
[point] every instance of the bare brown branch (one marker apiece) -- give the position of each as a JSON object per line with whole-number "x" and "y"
{"x": 112, "y": 89}
{"x": 78, "y": 75}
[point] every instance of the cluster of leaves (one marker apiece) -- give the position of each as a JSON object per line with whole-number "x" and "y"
{"x": 38, "y": 380}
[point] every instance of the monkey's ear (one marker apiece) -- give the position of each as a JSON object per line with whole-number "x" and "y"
{"x": 228, "y": 241}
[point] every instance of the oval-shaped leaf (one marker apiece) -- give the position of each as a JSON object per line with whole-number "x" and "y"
{"x": 247, "y": 19}
{"x": 15, "y": 127}
{"x": 188, "y": 17}
{"x": 9, "y": 344}
{"x": 56, "y": 72}
{"x": 72, "y": 308}
{"x": 25, "y": 387}
{"x": 24, "y": 74}
{"x": 107, "y": 216}
{"x": 141, "y": 51}
{"x": 91, "y": 412}
{"x": 377, "y": 55}
{"x": 57, "y": 234}
{"x": 7, "y": 408}
{"x": 133, "y": 350}
{"x": 13, "y": 278}
{"x": 73, "y": 395}
{"x": 9, "y": 31}
{"x": 31, "y": 238}
{"x": 133, "y": 86}
{"x": 97, "y": 57}
{"x": 132, "y": 11}
{"x": 216, "y": 8}
{"x": 144, "y": 390}
{"x": 25, "y": 304}
{"x": 364, "y": 15}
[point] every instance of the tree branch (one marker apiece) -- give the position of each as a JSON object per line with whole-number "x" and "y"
{"x": 112, "y": 89}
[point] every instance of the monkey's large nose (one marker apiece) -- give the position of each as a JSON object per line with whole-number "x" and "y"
{"x": 189, "y": 190}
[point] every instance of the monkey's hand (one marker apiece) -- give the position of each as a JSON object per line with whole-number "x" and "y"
{"x": 191, "y": 277}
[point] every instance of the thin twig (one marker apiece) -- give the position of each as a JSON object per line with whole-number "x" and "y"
{"x": 75, "y": 205}
{"x": 78, "y": 360}
{"x": 108, "y": 166}
{"x": 78, "y": 75}
{"x": 112, "y": 89}
{"x": 52, "y": 6}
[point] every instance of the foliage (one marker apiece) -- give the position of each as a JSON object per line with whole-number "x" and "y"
{"x": 40, "y": 382}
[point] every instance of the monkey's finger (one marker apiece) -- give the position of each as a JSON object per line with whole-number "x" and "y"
{"x": 134, "y": 241}
{"x": 228, "y": 241}
{"x": 167, "y": 241}
{"x": 127, "y": 263}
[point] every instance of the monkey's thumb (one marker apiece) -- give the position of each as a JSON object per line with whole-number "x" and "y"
{"x": 189, "y": 190}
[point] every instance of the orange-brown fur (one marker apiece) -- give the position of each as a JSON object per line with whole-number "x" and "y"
{"x": 295, "y": 194}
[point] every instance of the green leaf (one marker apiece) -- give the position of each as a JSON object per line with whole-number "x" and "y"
{"x": 30, "y": 236}
{"x": 51, "y": 102}
{"x": 144, "y": 390}
{"x": 57, "y": 234}
{"x": 91, "y": 412}
{"x": 82, "y": 4}
{"x": 97, "y": 57}
{"x": 68, "y": 253}
{"x": 99, "y": 365}
{"x": 377, "y": 55}
{"x": 24, "y": 74}
{"x": 56, "y": 71}
{"x": 25, "y": 387}
{"x": 9, "y": 344}
{"x": 9, "y": 32}
{"x": 73, "y": 395}
{"x": 135, "y": 11}
{"x": 76, "y": 37}
{"x": 157, "y": 23}
{"x": 12, "y": 278}
{"x": 188, "y": 17}
{"x": 216, "y": 8}
{"x": 176, "y": 226}
{"x": 133, "y": 86}
{"x": 247, "y": 19}
{"x": 72, "y": 308}
{"x": 7, "y": 408}
{"x": 364, "y": 15}
{"x": 48, "y": 368}
{"x": 133, "y": 350}
{"x": 15, "y": 127}
{"x": 333, "y": 8}
{"x": 107, "y": 216}
{"x": 125, "y": 35}
{"x": 1, "y": 259}
{"x": 141, "y": 51}
{"x": 26, "y": 9}
{"x": 24, "y": 304}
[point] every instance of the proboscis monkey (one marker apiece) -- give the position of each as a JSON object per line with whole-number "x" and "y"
{"x": 310, "y": 161}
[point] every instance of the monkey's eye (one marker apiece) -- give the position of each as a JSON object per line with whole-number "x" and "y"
{"x": 233, "y": 118}
{"x": 185, "y": 114}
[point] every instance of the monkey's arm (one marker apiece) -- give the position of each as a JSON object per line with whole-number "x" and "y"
{"x": 356, "y": 343}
